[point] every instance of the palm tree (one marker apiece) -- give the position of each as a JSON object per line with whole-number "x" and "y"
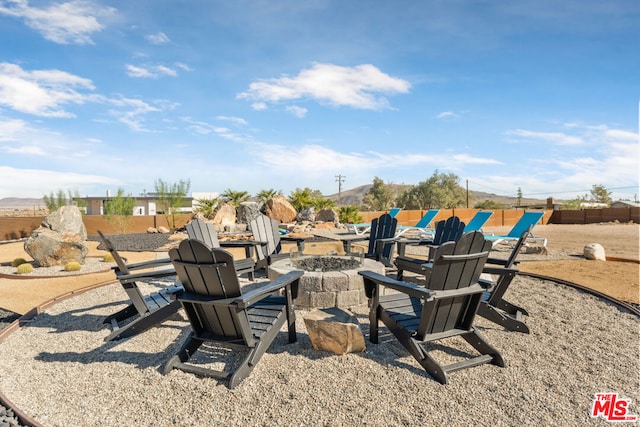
{"x": 265, "y": 195}
{"x": 235, "y": 197}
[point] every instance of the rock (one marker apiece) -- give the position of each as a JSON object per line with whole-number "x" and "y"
{"x": 60, "y": 239}
{"x": 225, "y": 215}
{"x": 163, "y": 230}
{"x": 594, "y": 251}
{"x": 328, "y": 215}
{"x": 308, "y": 215}
{"x": 335, "y": 330}
{"x": 247, "y": 212}
{"x": 280, "y": 209}
{"x": 152, "y": 230}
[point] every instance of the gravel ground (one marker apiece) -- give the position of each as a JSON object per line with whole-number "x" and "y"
{"x": 7, "y": 417}
{"x": 580, "y": 345}
{"x": 143, "y": 242}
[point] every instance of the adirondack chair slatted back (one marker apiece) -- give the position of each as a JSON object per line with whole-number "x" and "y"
{"x": 383, "y": 227}
{"x": 449, "y": 230}
{"x": 265, "y": 229}
{"x": 210, "y": 273}
{"x": 132, "y": 290}
{"x": 203, "y": 231}
{"x": 456, "y": 265}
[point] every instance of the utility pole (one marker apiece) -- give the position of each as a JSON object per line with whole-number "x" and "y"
{"x": 340, "y": 179}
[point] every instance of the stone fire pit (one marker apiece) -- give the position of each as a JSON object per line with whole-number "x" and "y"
{"x": 328, "y": 281}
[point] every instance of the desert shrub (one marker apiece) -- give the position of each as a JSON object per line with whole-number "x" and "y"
{"x": 24, "y": 268}
{"x": 72, "y": 266}
{"x": 108, "y": 258}
{"x": 18, "y": 261}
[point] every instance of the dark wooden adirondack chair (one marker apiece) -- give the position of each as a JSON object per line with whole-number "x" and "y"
{"x": 266, "y": 230}
{"x": 381, "y": 239}
{"x": 206, "y": 233}
{"x": 493, "y": 306}
{"x": 445, "y": 308}
{"x": 144, "y": 311}
{"x": 449, "y": 230}
{"x": 221, "y": 314}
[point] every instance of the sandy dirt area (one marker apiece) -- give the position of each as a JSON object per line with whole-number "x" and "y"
{"x": 615, "y": 278}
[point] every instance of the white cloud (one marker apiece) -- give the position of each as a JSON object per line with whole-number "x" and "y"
{"x": 41, "y": 92}
{"x": 355, "y": 87}
{"x": 447, "y": 115}
{"x": 159, "y": 38}
{"x": 553, "y": 137}
{"x": 36, "y": 182}
{"x": 235, "y": 120}
{"x": 132, "y": 112}
{"x": 321, "y": 159}
{"x": 299, "y": 112}
{"x": 150, "y": 72}
{"x": 71, "y": 22}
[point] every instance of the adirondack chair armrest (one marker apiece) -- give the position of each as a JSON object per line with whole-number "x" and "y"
{"x": 189, "y": 297}
{"x": 256, "y": 295}
{"x": 376, "y": 279}
{"x": 148, "y": 264}
{"x": 501, "y": 271}
{"x": 128, "y": 278}
{"x": 476, "y": 288}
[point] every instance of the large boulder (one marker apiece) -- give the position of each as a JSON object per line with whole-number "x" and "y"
{"x": 60, "y": 239}
{"x": 280, "y": 209}
{"x": 308, "y": 214}
{"x": 594, "y": 251}
{"x": 335, "y": 330}
{"x": 248, "y": 211}
{"x": 328, "y": 215}
{"x": 225, "y": 215}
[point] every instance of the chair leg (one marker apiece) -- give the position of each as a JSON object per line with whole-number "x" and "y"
{"x": 187, "y": 350}
{"x": 508, "y": 321}
{"x": 125, "y": 313}
{"x": 143, "y": 323}
{"x": 511, "y": 308}
{"x": 478, "y": 342}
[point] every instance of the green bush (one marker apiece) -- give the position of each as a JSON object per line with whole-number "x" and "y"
{"x": 108, "y": 258}
{"x": 24, "y": 268}
{"x": 72, "y": 266}
{"x": 18, "y": 261}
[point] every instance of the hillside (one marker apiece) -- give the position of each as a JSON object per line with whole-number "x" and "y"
{"x": 20, "y": 203}
{"x": 354, "y": 196}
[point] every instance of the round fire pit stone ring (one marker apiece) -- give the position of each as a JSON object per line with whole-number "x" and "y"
{"x": 338, "y": 287}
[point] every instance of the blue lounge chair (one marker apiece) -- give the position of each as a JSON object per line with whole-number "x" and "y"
{"x": 422, "y": 225}
{"x": 526, "y": 222}
{"x": 478, "y": 221}
{"x": 363, "y": 228}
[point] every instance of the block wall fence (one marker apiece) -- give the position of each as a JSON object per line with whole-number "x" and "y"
{"x": 12, "y": 228}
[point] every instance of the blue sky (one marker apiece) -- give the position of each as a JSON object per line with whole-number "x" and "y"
{"x": 283, "y": 94}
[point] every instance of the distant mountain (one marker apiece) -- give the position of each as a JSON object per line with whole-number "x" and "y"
{"x": 355, "y": 195}
{"x": 20, "y": 203}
